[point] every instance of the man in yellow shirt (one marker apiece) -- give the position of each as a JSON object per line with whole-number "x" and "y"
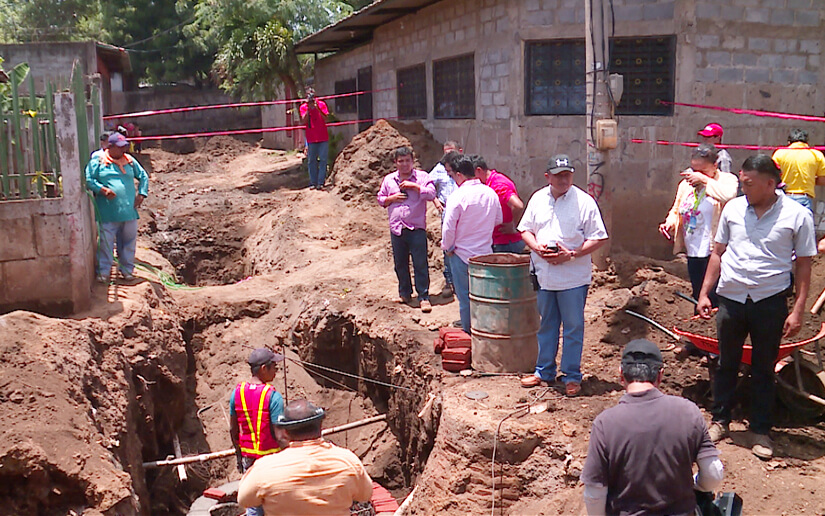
{"x": 802, "y": 168}
{"x": 310, "y": 477}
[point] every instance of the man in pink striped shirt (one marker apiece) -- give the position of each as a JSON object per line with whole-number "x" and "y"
{"x": 405, "y": 194}
{"x": 472, "y": 212}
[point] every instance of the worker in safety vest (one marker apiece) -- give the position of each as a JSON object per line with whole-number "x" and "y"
{"x": 253, "y": 408}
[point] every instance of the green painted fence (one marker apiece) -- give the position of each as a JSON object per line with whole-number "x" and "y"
{"x": 29, "y": 159}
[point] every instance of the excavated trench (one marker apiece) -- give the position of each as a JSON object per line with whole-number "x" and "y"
{"x": 394, "y": 453}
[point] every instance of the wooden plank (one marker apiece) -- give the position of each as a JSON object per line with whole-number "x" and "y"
{"x": 50, "y": 129}
{"x": 19, "y": 165}
{"x": 35, "y": 135}
{"x": 4, "y": 159}
{"x": 98, "y": 117}
{"x": 79, "y": 91}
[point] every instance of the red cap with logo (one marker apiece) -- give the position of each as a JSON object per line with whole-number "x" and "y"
{"x": 711, "y": 130}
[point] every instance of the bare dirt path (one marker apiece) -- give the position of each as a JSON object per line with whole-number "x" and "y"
{"x": 311, "y": 272}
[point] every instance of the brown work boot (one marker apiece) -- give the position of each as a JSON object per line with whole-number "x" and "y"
{"x": 403, "y": 300}
{"x": 572, "y": 389}
{"x": 762, "y": 446}
{"x": 530, "y": 381}
{"x": 426, "y": 306}
{"x": 717, "y": 431}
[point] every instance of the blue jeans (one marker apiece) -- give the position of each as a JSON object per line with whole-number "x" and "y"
{"x": 251, "y": 511}
{"x": 461, "y": 283}
{"x": 125, "y": 235}
{"x": 448, "y": 273}
{"x": 513, "y": 247}
{"x": 411, "y": 242}
{"x": 557, "y": 308}
{"x": 317, "y": 162}
{"x": 802, "y": 199}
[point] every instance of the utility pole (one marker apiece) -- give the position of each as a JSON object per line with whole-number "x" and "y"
{"x": 601, "y": 128}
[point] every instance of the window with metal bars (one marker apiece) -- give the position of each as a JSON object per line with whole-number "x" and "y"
{"x": 346, "y": 104}
{"x": 555, "y": 78}
{"x": 648, "y": 65}
{"x": 412, "y": 92}
{"x": 454, "y": 87}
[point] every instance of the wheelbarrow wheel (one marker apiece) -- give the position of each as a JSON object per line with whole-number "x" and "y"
{"x": 813, "y": 382}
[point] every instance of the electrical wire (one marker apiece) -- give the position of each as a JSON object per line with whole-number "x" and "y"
{"x": 161, "y": 33}
{"x": 378, "y": 382}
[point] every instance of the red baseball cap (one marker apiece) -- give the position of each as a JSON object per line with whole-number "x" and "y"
{"x": 711, "y": 130}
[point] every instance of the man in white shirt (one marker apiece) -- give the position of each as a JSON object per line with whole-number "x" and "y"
{"x": 757, "y": 237}
{"x": 471, "y": 213}
{"x": 561, "y": 226}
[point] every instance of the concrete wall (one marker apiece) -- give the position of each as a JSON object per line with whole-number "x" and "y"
{"x": 755, "y": 54}
{"x": 146, "y": 99}
{"x": 47, "y": 256}
{"x": 51, "y": 62}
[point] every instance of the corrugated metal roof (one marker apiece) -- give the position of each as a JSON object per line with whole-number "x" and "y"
{"x": 357, "y": 28}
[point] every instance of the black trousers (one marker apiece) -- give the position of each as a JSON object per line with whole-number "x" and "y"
{"x": 763, "y": 321}
{"x": 696, "y": 272}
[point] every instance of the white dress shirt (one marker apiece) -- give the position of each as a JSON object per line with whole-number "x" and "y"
{"x": 471, "y": 213}
{"x": 569, "y": 220}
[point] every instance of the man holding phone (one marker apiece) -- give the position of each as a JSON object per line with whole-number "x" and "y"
{"x": 405, "y": 194}
{"x": 562, "y": 225}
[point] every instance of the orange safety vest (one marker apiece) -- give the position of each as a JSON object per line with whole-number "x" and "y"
{"x": 252, "y": 411}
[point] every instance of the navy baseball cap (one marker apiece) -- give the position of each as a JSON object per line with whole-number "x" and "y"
{"x": 642, "y": 351}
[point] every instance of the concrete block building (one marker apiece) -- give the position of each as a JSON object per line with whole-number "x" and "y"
{"x": 506, "y": 78}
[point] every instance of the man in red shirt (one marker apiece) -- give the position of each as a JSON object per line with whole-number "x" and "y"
{"x": 505, "y": 237}
{"x": 314, "y": 116}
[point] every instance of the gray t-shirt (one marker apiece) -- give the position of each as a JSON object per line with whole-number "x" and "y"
{"x": 643, "y": 450}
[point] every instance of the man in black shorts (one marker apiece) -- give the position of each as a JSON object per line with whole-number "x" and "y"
{"x": 642, "y": 451}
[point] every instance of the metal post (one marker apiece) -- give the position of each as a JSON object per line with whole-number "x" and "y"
{"x": 598, "y": 108}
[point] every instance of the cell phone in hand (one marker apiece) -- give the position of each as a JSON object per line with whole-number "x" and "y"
{"x": 552, "y": 248}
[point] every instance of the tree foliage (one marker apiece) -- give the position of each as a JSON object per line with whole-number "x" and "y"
{"x": 153, "y": 32}
{"x": 247, "y": 46}
{"x": 48, "y": 20}
{"x": 255, "y": 40}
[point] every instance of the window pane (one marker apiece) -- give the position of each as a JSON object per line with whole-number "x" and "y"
{"x": 647, "y": 65}
{"x": 555, "y": 77}
{"x": 454, "y": 89}
{"x": 412, "y": 92}
{"x": 346, "y": 104}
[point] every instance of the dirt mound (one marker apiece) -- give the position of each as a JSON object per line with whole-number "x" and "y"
{"x": 361, "y": 165}
{"x": 81, "y": 402}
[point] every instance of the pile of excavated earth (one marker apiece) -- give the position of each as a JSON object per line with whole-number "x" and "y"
{"x": 261, "y": 260}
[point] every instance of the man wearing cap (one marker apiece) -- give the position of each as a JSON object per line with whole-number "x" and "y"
{"x": 311, "y": 476}
{"x": 471, "y": 214}
{"x": 253, "y": 409}
{"x": 104, "y": 143}
{"x": 712, "y": 133}
{"x": 802, "y": 168}
{"x": 561, "y": 226}
{"x": 111, "y": 177}
{"x": 314, "y": 116}
{"x": 505, "y": 237}
{"x": 641, "y": 453}
{"x": 757, "y": 237}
